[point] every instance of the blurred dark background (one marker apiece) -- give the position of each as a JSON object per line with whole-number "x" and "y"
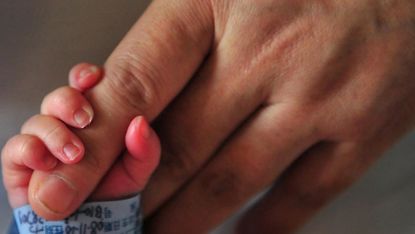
{"x": 41, "y": 40}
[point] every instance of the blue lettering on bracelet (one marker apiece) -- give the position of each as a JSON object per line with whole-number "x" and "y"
{"x": 114, "y": 217}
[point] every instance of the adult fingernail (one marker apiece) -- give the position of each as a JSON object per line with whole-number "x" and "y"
{"x": 83, "y": 117}
{"x": 88, "y": 71}
{"x": 71, "y": 151}
{"x": 56, "y": 194}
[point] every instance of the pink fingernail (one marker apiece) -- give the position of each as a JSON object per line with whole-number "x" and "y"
{"x": 83, "y": 117}
{"x": 88, "y": 71}
{"x": 143, "y": 126}
{"x": 71, "y": 151}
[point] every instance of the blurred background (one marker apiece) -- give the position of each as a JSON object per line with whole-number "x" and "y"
{"x": 41, "y": 40}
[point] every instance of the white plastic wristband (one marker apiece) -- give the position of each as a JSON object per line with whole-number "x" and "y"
{"x": 112, "y": 217}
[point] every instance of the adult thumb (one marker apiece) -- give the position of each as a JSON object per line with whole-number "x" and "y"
{"x": 144, "y": 73}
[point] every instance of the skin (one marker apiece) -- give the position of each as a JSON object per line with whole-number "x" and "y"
{"x": 37, "y": 147}
{"x": 307, "y": 92}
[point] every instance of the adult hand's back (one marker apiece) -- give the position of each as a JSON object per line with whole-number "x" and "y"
{"x": 315, "y": 89}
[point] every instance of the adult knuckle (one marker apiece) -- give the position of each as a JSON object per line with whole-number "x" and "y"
{"x": 226, "y": 187}
{"x": 133, "y": 82}
{"x": 179, "y": 163}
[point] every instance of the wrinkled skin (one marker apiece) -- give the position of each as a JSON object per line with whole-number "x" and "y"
{"x": 306, "y": 92}
{"x": 326, "y": 84}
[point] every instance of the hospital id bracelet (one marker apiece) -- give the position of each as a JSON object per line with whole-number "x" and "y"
{"x": 110, "y": 217}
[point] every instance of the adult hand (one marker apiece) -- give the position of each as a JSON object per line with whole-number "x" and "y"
{"x": 306, "y": 92}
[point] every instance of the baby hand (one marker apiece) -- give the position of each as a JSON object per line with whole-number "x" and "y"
{"x": 46, "y": 141}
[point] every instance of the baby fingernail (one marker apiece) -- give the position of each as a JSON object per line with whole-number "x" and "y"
{"x": 83, "y": 117}
{"x": 88, "y": 71}
{"x": 56, "y": 194}
{"x": 145, "y": 130}
{"x": 71, "y": 151}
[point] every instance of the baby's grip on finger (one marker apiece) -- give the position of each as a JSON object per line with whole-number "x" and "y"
{"x": 130, "y": 174}
{"x": 20, "y": 156}
{"x": 68, "y": 105}
{"x": 27, "y": 151}
{"x": 56, "y": 136}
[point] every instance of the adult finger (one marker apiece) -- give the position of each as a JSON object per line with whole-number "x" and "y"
{"x": 145, "y": 72}
{"x": 193, "y": 127}
{"x": 20, "y": 156}
{"x": 315, "y": 179}
{"x": 69, "y": 106}
{"x": 60, "y": 141}
{"x": 249, "y": 162}
{"x": 130, "y": 173}
{"x": 318, "y": 176}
